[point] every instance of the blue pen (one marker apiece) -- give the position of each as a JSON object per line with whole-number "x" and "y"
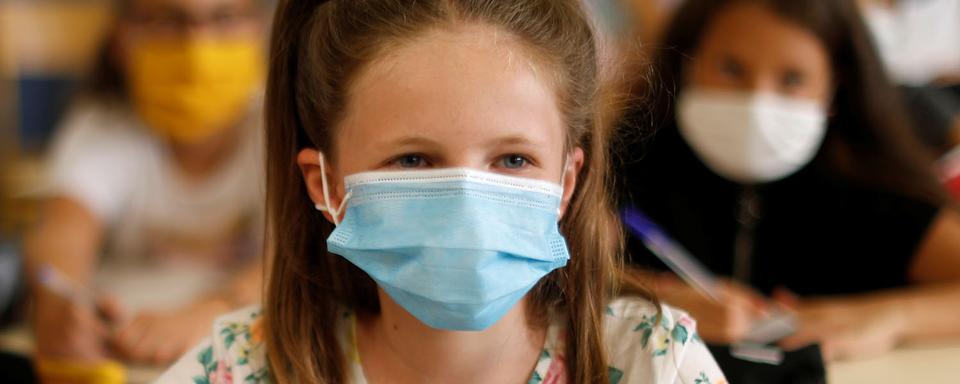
{"x": 777, "y": 325}
{"x": 674, "y": 255}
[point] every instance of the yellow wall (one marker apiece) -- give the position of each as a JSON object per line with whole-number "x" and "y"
{"x": 38, "y": 37}
{"x": 50, "y": 36}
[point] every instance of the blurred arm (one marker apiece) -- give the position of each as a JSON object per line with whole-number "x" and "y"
{"x": 870, "y": 324}
{"x": 67, "y": 237}
{"x": 933, "y": 307}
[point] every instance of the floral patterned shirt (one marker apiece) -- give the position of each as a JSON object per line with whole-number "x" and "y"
{"x": 641, "y": 350}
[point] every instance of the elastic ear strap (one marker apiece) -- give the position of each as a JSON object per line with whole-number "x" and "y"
{"x": 563, "y": 171}
{"x": 326, "y": 194}
{"x": 563, "y": 177}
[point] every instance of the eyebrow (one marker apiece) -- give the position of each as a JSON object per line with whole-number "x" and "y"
{"x": 426, "y": 141}
{"x": 410, "y": 141}
{"x": 514, "y": 140}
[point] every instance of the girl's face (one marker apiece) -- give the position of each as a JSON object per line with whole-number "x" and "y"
{"x": 751, "y": 49}
{"x": 468, "y": 96}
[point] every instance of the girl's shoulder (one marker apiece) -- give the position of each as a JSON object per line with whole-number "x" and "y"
{"x": 651, "y": 343}
{"x": 630, "y": 313}
{"x": 646, "y": 344}
{"x": 234, "y": 352}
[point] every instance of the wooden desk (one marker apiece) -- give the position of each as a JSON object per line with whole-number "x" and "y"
{"x": 909, "y": 364}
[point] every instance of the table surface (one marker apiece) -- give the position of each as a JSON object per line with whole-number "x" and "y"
{"x": 923, "y": 363}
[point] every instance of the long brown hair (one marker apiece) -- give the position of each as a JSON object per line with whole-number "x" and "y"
{"x": 869, "y": 138}
{"x": 317, "y": 49}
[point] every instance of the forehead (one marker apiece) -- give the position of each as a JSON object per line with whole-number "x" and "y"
{"x": 752, "y": 31}
{"x": 459, "y": 85}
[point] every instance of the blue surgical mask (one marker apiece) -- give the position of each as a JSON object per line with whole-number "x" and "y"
{"x": 456, "y": 248}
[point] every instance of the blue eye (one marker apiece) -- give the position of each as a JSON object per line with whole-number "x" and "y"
{"x": 410, "y": 161}
{"x": 513, "y": 161}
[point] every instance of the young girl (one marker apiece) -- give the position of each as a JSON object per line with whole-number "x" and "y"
{"x": 453, "y": 151}
{"x": 786, "y": 163}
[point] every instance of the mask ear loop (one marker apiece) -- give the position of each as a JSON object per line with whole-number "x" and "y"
{"x": 325, "y": 207}
{"x": 563, "y": 179}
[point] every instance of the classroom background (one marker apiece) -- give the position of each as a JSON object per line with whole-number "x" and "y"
{"x": 48, "y": 47}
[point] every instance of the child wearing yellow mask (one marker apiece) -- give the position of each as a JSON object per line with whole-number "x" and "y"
{"x": 160, "y": 169}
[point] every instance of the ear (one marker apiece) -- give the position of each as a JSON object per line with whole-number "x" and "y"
{"x": 574, "y": 165}
{"x": 309, "y": 162}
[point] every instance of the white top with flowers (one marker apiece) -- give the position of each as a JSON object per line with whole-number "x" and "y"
{"x": 641, "y": 350}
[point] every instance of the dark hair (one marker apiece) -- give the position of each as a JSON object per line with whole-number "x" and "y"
{"x": 106, "y": 81}
{"x": 869, "y": 136}
{"x": 318, "y": 48}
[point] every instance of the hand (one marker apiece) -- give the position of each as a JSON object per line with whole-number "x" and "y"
{"x": 161, "y": 337}
{"x": 846, "y": 328}
{"x": 65, "y": 330}
{"x": 723, "y": 322}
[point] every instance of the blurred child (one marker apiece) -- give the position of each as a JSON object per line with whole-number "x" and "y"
{"x": 451, "y": 148}
{"x": 919, "y": 41}
{"x": 158, "y": 167}
{"x": 786, "y": 162}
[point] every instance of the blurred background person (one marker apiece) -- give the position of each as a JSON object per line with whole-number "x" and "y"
{"x": 785, "y": 161}
{"x": 156, "y": 169}
{"x": 919, "y": 41}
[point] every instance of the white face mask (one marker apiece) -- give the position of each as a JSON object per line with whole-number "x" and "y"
{"x": 751, "y": 138}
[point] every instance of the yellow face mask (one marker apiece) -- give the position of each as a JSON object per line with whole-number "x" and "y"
{"x": 188, "y": 91}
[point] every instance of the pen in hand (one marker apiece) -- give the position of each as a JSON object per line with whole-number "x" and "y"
{"x": 677, "y": 258}
{"x": 778, "y": 324}
{"x": 57, "y": 283}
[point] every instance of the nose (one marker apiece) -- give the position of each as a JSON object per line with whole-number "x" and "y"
{"x": 465, "y": 159}
{"x": 761, "y": 82}
{"x": 195, "y": 30}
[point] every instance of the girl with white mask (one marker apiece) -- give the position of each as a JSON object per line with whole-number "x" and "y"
{"x": 785, "y": 162}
